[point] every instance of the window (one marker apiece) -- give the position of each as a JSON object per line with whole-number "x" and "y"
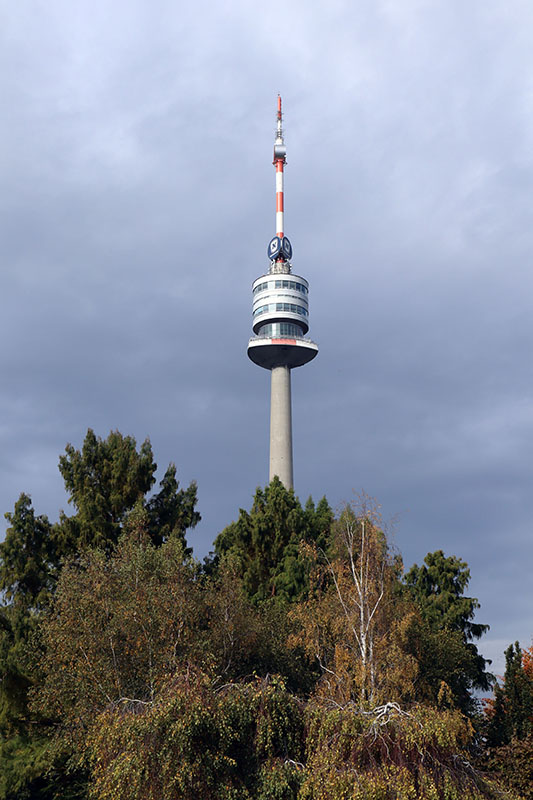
{"x": 261, "y": 310}
{"x": 280, "y": 329}
{"x": 292, "y": 307}
{"x": 297, "y": 287}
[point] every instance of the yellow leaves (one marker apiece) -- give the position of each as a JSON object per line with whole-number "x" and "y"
{"x": 445, "y": 696}
{"x": 354, "y": 624}
{"x": 406, "y": 756}
{"x": 199, "y": 744}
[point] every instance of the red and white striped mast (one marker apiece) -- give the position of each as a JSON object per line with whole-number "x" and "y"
{"x": 280, "y": 152}
{"x": 279, "y": 248}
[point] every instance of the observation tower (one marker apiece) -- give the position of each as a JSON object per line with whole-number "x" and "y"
{"x": 280, "y": 322}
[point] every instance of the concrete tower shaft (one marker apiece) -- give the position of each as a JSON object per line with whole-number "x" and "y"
{"x": 281, "y": 426}
{"x": 280, "y": 310}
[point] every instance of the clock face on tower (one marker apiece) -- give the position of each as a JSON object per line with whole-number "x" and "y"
{"x": 286, "y": 248}
{"x": 279, "y": 248}
{"x": 274, "y": 248}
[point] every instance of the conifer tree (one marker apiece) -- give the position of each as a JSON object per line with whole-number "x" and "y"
{"x": 512, "y": 710}
{"x": 266, "y": 541}
{"x": 29, "y": 558}
{"x": 448, "y": 627}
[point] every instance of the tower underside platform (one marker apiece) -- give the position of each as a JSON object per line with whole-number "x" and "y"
{"x": 289, "y": 352}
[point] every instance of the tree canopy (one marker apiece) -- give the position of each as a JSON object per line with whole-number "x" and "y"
{"x": 295, "y": 664}
{"x": 443, "y": 643}
{"x": 509, "y": 728}
{"x": 108, "y": 483}
{"x": 104, "y": 480}
{"x": 29, "y": 557}
{"x": 438, "y": 587}
{"x": 266, "y": 541}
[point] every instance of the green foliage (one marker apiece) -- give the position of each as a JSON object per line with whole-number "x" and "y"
{"x": 509, "y": 728}
{"x": 447, "y": 665}
{"x": 196, "y": 744}
{"x": 24, "y": 761}
{"x": 256, "y": 741}
{"x": 511, "y": 715}
{"x": 16, "y": 629}
{"x": 437, "y": 587}
{"x": 25, "y": 753}
{"x": 105, "y": 479}
{"x": 172, "y": 510}
{"x": 28, "y": 557}
{"x": 389, "y": 755}
{"x": 266, "y": 542}
{"x": 125, "y": 671}
{"x": 119, "y": 625}
{"x": 35, "y": 768}
{"x": 512, "y": 765}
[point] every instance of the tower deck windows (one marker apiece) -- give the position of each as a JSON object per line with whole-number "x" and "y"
{"x": 299, "y": 287}
{"x": 260, "y": 287}
{"x": 281, "y": 300}
{"x": 261, "y": 310}
{"x": 280, "y": 330}
{"x": 271, "y": 307}
{"x": 294, "y": 285}
{"x": 280, "y": 312}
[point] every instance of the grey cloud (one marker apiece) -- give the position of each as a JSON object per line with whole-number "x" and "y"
{"x": 137, "y": 204}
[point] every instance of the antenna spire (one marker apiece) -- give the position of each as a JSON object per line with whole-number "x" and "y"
{"x": 280, "y": 152}
{"x": 279, "y": 119}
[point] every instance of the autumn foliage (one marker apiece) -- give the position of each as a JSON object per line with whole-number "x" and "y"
{"x": 297, "y": 663}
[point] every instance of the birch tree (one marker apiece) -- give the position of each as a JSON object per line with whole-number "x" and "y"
{"x": 355, "y": 620}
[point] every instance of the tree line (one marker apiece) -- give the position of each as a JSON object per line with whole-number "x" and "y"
{"x": 299, "y": 661}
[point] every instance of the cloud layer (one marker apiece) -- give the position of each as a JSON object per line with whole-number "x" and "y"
{"x": 137, "y": 202}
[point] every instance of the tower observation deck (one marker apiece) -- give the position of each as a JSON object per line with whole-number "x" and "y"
{"x": 280, "y": 323}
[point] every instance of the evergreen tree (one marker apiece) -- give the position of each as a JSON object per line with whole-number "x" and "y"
{"x": 104, "y": 480}
{"x": 28, "y": 572}
{"x": 509, "y": 730}
{"x": 437, "y": 587}
{"x": 28, "y": 557}
{"x": 511, "y": 716}
{"x": 16, "y": 629}
{"x": 172, "y": 510}
{"x": 266, "y": 541}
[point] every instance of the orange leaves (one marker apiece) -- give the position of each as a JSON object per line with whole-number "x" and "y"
{"x": 527, "y": 662}
{"x": 354, "y": 624}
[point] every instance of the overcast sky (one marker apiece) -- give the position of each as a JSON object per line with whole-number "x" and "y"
{"x": 137, "y": 201}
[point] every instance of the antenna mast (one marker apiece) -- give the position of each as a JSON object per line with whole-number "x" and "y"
{"x": 279, "y": 248}
{"x": 280, "y": 152}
